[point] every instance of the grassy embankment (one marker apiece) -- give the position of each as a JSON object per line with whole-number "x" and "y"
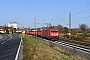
{"x": 37, "y": 50}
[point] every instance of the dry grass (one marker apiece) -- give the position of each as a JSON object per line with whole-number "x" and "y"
{"x": 37, "y": 50}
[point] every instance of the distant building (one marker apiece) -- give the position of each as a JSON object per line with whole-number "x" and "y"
{"x": 13, "y": 25}
{"x": 2, "y": 29}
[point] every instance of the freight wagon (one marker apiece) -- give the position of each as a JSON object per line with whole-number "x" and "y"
{"x": 50, "y": 33}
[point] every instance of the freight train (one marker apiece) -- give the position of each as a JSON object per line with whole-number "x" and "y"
{"x": 50, "y": 33}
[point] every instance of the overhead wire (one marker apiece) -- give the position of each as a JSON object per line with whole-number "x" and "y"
{"x": 86, "y": 5}
{"x": 81, "y": 11}
{"x": 81, "y": 6}
{"x": 82, "y": 18}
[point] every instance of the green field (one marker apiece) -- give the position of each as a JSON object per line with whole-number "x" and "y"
{"x": 37, "y": 50}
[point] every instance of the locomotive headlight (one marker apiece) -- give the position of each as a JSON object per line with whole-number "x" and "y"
{"x": 57, "y": 34}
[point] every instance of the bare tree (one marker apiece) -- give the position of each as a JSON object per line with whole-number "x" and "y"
{"x": 60, "y": 28}
{"x": 83, "y": 27}
{"x": 66, "y": 30}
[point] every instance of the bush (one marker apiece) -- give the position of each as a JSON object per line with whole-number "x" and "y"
{"x": 66, "y": 36}
{"x": 85, "y": 34}
{"x": 80, "y": 38}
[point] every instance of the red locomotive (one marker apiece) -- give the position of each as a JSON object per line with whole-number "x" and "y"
{"x": 50, "y": 33}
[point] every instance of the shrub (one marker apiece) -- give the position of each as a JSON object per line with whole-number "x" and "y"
{"x": 66, "y": 36}
{"x": 80, "y": 38}
{"x": 85, "y": 34}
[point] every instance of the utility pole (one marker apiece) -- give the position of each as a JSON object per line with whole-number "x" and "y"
{"x": 27, "y": 28}
{"x": 70, "y": 25}
{"x": 35, "y": 22}
{"x": 43, "y": 23}
{"x": 43, "y": 26}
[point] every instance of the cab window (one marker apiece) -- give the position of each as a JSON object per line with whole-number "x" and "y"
{"x": 54, "y": 30}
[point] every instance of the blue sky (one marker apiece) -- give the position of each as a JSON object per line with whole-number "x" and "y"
{"x": 52, "y": 11}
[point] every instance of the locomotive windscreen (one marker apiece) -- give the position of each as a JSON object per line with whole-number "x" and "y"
{"x": 54, "y": 31}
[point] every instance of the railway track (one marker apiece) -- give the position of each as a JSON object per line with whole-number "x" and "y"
{"x": 82, "y": 46}
{"x": 85, "y": 44}
{"x": 75, "y": 48}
